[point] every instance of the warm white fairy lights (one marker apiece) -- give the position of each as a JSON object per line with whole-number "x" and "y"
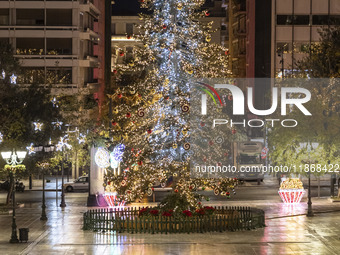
{"x": 151, "y": 115}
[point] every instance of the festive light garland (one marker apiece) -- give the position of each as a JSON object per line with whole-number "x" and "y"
{"x": 102, "y": 158}
{"x": 151, "y": 115}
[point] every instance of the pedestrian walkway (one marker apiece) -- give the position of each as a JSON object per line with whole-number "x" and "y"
{"x": 284, "y": 234}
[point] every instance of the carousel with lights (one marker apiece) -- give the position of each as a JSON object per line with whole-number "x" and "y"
{"x": 291, "y": 191}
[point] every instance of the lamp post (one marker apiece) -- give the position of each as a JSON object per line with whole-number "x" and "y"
{"x": 13, "y": 159}
{"x": 60, "y": 147}
{"x": 309, "y": 149}
{"x": 43, "y": 166}
{"x": 62, "y": 203}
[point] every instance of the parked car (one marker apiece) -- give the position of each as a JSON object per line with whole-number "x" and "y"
{"x": 19, "y": 186}
{"x": 82, "y": 183}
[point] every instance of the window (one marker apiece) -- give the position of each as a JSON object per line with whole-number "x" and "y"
{"x": 326, "y": 19}
{"x": 292, "y": 19}
{"x": 59, "y": 17}
{"x": 301, "y": 47}
{"x": 129, "y": 28}
{"x": 31, "y": 17}
{"x": 30, "y": 46}
{"x": 4, "y": 17}
{"x": 59, "y": 75}
{"x": 59, "y": 46}
{"x": 32, "y": 75}
{"x": 83, "y": 179}
{"x": 113, "y": 29}
{"x": 283, "y": 47}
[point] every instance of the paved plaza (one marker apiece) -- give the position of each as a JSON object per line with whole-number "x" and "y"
{"x": 288, "y": 231}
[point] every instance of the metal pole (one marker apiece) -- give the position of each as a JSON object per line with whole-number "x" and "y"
{"x": 30, "y": 181}
{"x": 14, "y": 236}
{"x": 310, "y": 210}
{"x": 43, "y": 207}
{"x": 62, "y": 203}
{"x": 56, "y": 188}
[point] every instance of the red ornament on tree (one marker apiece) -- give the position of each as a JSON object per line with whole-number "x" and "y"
{"x": 128, "y": 36}
{"x": 226, "y": 52}
{"x": 233, "y": 131}
{"x": 128, "y": 115}
{"x": 226, "y": 154}
{"x": 176, "y": 190}
{"x": 207, "y": 13}
{"x": 115, "y": 71}
{"x": 164, "y": 26}
{"x": 121, "y": 54}
{"x": 119, "y": 95}
{"x": 149, "y": 131}
{"x": 202, "y": 124}
{"x": 211, "y": 143}
{"x": 140, "y": 163}
{"x": 114, "y": 123}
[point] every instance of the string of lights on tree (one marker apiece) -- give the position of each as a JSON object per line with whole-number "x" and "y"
{"x": 151, "y": 114}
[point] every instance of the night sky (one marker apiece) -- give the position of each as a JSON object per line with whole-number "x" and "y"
{"x": 125, "y": 7}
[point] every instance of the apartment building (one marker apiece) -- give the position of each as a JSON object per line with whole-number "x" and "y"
{"x": 237, "y": 20}
{"x": 295, "y": 27}
{"x": 58, "y": 43}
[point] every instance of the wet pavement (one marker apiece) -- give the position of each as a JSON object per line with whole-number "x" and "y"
{"x": 288, "y": 231}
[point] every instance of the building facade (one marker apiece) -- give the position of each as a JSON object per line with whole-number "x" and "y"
{"x": 57, "y": 42}
{"x": 295, "y": 27}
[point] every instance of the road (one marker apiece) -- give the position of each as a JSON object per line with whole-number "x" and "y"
{"x": 248, "y": 191}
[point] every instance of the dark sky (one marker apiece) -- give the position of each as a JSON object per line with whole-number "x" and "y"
{"x": 125, "y": 7}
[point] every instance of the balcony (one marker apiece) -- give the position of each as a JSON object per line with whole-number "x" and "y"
{"x": 89, "y": 62}
{"x": 122, "y": 38}
{"x": 88, "y": 34}
{"x": 89, "y": 7}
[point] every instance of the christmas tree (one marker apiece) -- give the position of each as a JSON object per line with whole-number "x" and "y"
{"x": 152, "y": 116}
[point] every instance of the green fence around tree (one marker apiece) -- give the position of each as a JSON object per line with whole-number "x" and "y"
{"x": 128, "y": 220}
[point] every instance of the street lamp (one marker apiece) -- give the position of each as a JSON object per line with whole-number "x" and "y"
{"x": 309, "y": 147}
{"x": 13, "y": 159}
{"x": 43, "y": 166}
{"x": 60, "y": 147}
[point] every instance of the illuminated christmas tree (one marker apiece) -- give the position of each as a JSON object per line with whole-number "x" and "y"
{"x": 152, "y": 115}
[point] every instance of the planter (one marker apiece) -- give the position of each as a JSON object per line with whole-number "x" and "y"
{"x": 291, "y": 196}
